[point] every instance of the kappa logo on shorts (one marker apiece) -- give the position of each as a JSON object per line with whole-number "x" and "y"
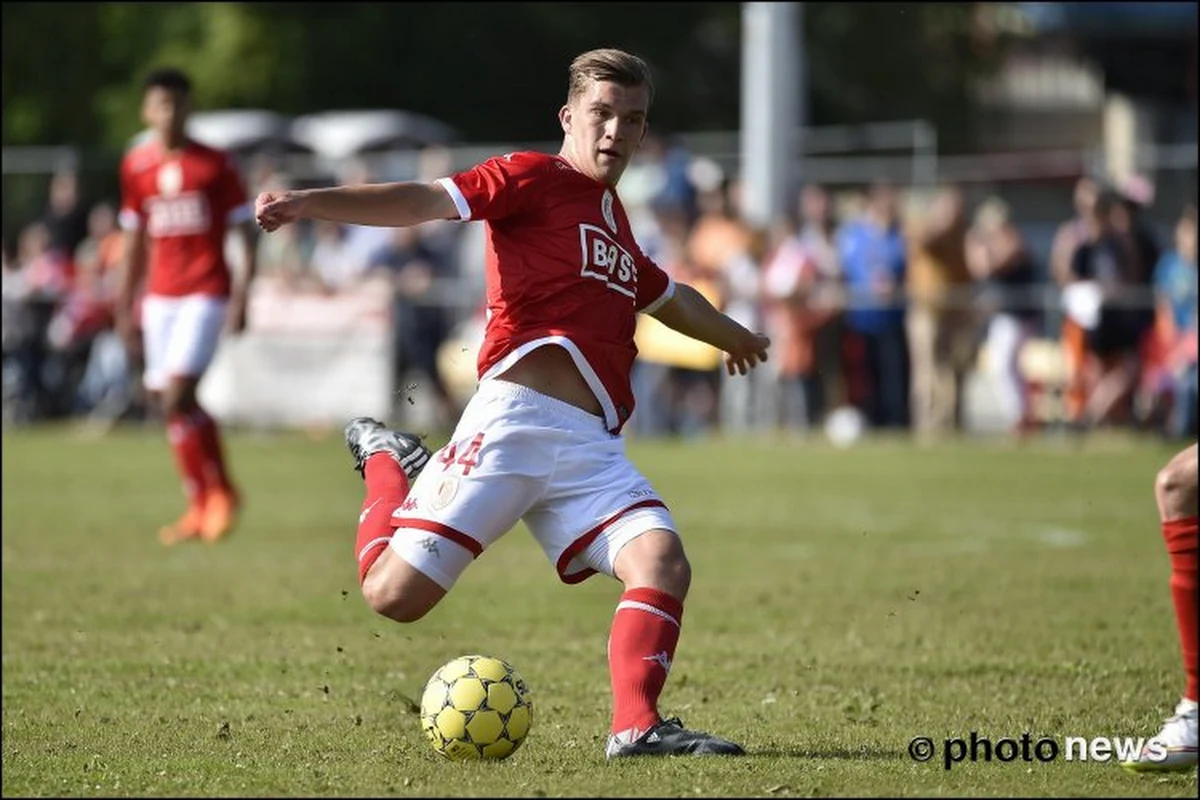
{"x": 430, "y": 544}
{"x": 409, "y": 504}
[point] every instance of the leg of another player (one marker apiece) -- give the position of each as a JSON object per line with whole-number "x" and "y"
{"x": 641, "y": 646}
{"x": 205, "y": 453}
{"x": 1175, "y": 490}
{"x": 176, "y": 401}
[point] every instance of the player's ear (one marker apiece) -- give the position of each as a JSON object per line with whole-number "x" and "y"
{"x": 564, "y": 118}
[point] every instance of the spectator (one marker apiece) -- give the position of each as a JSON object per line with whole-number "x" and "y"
{"x": 1070, "y": 236}
{"x": 47, "y": 276}
{"x": 1175, "y": 373}
{"x": 1104, "y": 261}
{"x": 824, "y": 296}
{"x": 101, "y": 251}
{"x": 718, "y": 253}
{"x": 998, "y": 256}
{"x": 872, "y": 252}
{"x": 66, "y": 216}
{"x": 420, "y": 323}
{"x": 331, "y": 260}
{"x": 18, "y": 340}
{"x": 941, "y": 320}
{"x": 796, "y": 311}
{"x": 281, "y": 257}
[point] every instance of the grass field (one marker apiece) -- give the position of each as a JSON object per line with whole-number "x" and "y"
{"x": 843, "y": 602}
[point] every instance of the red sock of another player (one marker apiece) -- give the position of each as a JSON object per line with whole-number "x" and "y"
{"x": 216, "y": 477}
{"x": 387, "y": 486}
{"x": 188, "y": 447}
{"x": 641, "y": 646}
{"x": 1181, "y": 544}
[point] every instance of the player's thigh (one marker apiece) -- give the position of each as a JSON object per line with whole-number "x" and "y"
{"x": 160, "y": 316}
{"x": 472, "y": 492}
{"x": 195, "y": 335}
{"x": 593, "y": 510}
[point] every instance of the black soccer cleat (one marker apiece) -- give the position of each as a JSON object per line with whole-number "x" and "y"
{"x": 670, "y": 738}
{"x": 365, "y": 437}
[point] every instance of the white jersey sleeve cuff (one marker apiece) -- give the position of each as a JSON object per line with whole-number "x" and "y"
{"x": 129, "y": 220}
{"x": 240, "y": 214}
{"x": 460, "y": 202}
{"x": 667, "y": 294}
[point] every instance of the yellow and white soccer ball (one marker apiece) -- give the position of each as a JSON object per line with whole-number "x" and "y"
{"x": 476, "y": 707}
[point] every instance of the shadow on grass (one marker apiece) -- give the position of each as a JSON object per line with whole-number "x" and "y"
{"x": 836, "y": 754}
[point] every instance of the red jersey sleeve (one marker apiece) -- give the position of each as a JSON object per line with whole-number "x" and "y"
{"x": 229, "y": 194}
{"x": 654, "y": 286}
{"x": 496, "y": 188}
{"x": 131, "y": 216}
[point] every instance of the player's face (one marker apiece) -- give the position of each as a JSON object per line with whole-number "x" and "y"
{"x": 165, "y": 111}
{"x": 605, "y": 126}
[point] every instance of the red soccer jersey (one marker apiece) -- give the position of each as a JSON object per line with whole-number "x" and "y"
{"x": 185, "y": 202}
{"x": 562, "y": 268}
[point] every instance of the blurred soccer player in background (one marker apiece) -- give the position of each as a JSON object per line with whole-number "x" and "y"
{"x": 540, "y": 440}
{"x": 1175, "y": 490}
{"x": 178, "y": 200}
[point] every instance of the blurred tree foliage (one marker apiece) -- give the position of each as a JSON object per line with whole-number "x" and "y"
{"x": 497, "y": 72}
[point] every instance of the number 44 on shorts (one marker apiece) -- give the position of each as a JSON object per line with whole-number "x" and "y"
{"x": 448, "y": 456}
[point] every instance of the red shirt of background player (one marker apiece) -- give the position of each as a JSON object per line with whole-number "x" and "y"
{"x": 562, "y": 266}
{"x": 185, "y": 201}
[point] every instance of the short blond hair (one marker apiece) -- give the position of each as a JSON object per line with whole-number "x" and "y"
{"x": 608, "y": 64}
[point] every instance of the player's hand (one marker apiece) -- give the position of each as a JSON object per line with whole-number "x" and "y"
{"x": 747, "y": 353}
{"x": 275, "y": 209}
{"x": 235, "y": 319}
{"x": 126, "y": 328}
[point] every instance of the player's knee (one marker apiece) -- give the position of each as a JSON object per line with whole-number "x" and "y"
{"x": 401, "y": 594}
{"x": 1170, "y": 487}
{"x": 656, "y": 560}
{"x": 391, "y": 600}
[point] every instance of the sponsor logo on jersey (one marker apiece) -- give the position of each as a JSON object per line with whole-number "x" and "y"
{"x": 607, "y": 261}
{"x": 183, "y": 215}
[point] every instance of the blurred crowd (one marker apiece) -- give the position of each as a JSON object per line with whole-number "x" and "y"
{"x": 880, "y": 301}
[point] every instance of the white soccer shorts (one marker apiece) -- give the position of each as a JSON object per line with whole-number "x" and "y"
{"x": 180, "y": 336}
{"x": 519, "y": 454}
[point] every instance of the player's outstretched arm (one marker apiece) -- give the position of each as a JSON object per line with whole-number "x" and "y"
{"x": 692, "y": 315}
{"x": 392, "y": 205}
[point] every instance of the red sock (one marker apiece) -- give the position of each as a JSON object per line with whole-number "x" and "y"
{"x": 1181, "y": 545}
{"x": 186, "y": 443}
{"x": 641, "y": 646}
{"x": 216, "y": 477}
{"x": 387, "y": 486}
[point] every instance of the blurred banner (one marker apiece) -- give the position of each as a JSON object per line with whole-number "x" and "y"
{"x": 305, "y": 360}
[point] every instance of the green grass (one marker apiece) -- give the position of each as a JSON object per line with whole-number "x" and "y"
{"x": 843, "y": 602}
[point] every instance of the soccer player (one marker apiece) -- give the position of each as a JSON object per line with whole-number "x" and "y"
{"x": 540, "y": 439}
{"x": 178, "y": 200}
{"x": 1176, "y": 493}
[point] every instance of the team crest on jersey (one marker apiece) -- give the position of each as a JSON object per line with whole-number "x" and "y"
{"x": 446, "y": 491}
{"x": 170, "y": 179}
{"x": 606, "y": 209}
